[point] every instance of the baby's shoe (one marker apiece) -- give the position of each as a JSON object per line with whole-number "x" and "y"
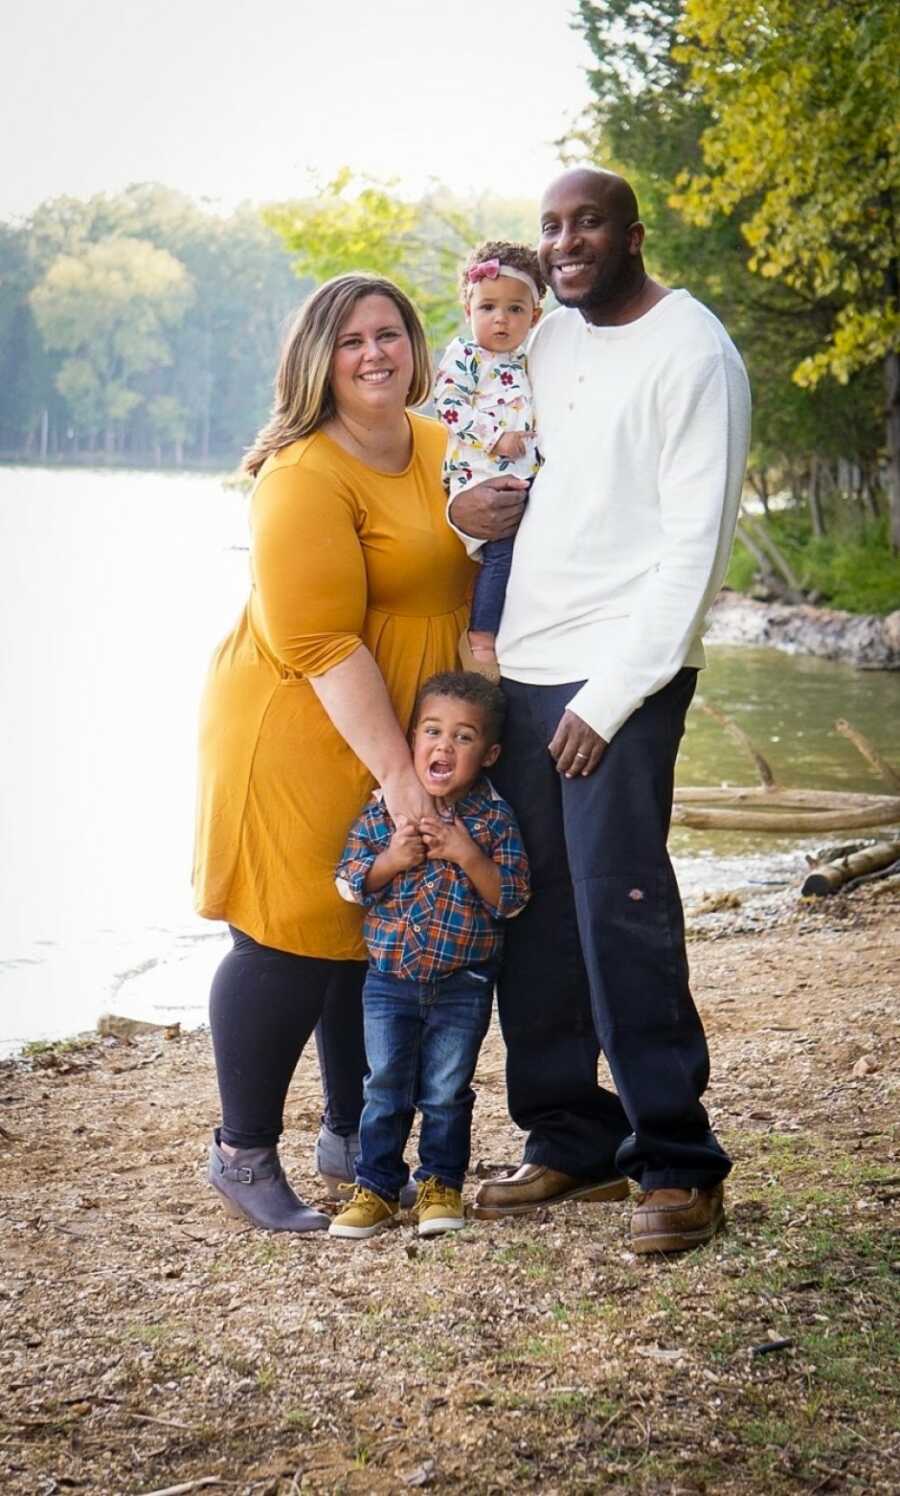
{"x": 478, "y": 656}
{"x": 438, "y": 1208}
{"x": 365, "y": 1215}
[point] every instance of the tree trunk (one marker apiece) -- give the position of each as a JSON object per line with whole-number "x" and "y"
{"x": 766, "y": 569}
{"x": 45, "y": 427}
{"x": 868, "y": 498}
{"x": 777, "y": 557}
{"x": 760, "y": 483}
{"x": 892, "y": 424}
{"x": 833, "y": 875}
{"x": 814, "y": 495}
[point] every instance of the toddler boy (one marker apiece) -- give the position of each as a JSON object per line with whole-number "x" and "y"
{"x": 436, "y": 895}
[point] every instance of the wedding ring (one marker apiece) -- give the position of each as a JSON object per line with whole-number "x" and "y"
{"x": 581, "y": 755}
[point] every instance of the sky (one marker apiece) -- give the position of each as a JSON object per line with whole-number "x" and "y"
{"x": 232, "y": 101}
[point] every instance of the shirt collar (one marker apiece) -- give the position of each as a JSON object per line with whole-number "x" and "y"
{"x": 469, "y": 801}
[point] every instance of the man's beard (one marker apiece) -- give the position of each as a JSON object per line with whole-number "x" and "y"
{"x": 609, "y": 285}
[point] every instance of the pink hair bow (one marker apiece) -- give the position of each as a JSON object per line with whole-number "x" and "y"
{"x": 485, "y": 270}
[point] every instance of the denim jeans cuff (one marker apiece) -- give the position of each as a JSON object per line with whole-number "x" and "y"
{"x": 379, "y": 1188}
{"x": 452, "y": 1181}
{"x": 680, "y": 1179}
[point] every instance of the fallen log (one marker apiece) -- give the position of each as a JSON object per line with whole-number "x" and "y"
{"x": 766, "y": 777}
{"x": 785, "y": 799}
{"x": 833, "y": 875}
{"x": 770, "y": 806}
{"x": 813, "y": 820}
{"x": 868, "y": 751}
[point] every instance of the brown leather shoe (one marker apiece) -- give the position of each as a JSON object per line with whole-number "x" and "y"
{"x": 676, "y": 1220}
{"x": 534, "y": 1185}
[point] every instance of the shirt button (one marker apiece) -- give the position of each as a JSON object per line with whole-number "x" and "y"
{"x": 571, "y": 405}
{"x": 416, "y": 928}
{"x": 581, "y": 379}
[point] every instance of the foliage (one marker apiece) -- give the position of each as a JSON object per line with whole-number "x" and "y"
{"x": 186, "y": 373}
{"x": 108, "y": 311}
{"x": 803, "y": 100}
{"x": 359, "y": 224}
{"x": 652, "y": 118}
{"x": 186, "y": 368}
{"x": 851, "y": 569}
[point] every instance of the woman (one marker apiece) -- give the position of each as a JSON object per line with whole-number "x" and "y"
{"x": 359, "y": 593}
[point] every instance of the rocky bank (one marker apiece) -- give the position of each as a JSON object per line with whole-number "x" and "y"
{"x": 865, "y": 640}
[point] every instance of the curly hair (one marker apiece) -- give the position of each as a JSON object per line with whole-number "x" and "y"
{"x": 518, "y": 256}
{"x": 465, "y": 685}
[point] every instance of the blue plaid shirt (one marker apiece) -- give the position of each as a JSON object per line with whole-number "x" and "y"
{"x": 430, "y": 920}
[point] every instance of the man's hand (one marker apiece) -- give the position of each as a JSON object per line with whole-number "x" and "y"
{"x": 447, "y": 839}
{"x": 575, "y": 747}
{"x": 490, "y": 511}
{"x": 511, "y": 444}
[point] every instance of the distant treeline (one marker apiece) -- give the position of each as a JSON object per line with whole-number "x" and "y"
{"x": 141, "y": 327}
{"x": 144, "y": 327}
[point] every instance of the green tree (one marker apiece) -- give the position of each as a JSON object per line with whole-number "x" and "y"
{"x": 359, "y": 224}
{"x": 108, "y": 310}
{"x": 169, "y": 422}
{"x": 802, "y": 139}
{"x": 649, "y": 120}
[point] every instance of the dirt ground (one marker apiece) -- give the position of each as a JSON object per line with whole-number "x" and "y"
{"x": 147, "y": 1344}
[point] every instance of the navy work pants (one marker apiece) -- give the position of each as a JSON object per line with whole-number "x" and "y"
{"x": 597, "y": 958}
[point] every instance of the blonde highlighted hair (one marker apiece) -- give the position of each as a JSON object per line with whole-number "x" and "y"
{"x": 303, "y": 395}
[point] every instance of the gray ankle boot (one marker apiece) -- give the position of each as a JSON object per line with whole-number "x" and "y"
{"x": 335, "y": 1163}
{"x": 252, "y": 1185}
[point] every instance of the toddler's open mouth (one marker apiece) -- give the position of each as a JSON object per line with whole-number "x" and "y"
{"x": 439, "y": 770}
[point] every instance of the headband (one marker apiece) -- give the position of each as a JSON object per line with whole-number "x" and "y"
{"x": 490, "y": 269}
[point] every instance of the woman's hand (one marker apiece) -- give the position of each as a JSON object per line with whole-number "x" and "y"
{"x": 404, "y": 798}
{"x": 490, "y": 511}
{"x": 575, "y": 747}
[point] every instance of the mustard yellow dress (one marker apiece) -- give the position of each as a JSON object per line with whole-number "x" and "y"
{"x": 341, "y": 555}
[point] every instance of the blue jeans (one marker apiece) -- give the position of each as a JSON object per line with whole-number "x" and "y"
{"x": 490, "y": 585}
{"x": 422, "y": 1043}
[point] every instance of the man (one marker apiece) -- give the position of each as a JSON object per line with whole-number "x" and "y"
{"x": 642, "y": 411}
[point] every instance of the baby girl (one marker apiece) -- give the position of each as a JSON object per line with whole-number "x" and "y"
{"x": 483, "y": 395}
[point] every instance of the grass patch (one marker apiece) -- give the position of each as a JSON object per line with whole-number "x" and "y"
{"x": 851, "y": 567}
{"x": 42, "y": 1047}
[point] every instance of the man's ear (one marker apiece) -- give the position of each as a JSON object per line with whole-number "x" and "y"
{"x": 491, "y": 756}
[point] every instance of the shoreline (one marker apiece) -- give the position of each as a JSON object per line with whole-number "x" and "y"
{"x": 867, "y": 641}
{"x": 163, "y": 980}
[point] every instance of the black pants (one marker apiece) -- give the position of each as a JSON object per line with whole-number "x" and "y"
{"x": 263, "y": 1006}
{"x": 597, "y": 959}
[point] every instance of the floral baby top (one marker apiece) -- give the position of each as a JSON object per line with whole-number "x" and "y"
{"x": 478, "y": 395}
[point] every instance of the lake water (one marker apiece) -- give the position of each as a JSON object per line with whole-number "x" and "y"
{"x": 115, "y": 587}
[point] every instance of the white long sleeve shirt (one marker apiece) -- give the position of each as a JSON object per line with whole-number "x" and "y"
{"x": 625, "y": 540}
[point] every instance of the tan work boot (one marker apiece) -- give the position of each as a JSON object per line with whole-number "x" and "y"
{"x": 534, "y": 1185}
{"x": 438, "y": 1208}
{"x": 365, "y": 1215}
{"x": 674, "y": 1220}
